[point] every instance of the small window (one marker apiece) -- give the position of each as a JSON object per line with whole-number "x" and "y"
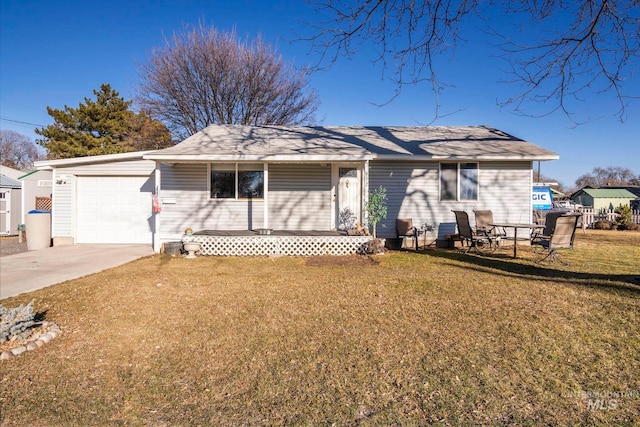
{"x": 223, "y": 185}
{"x": 250, "y": 184}
{"x": 237, "y": 181}
{"x": 448, "y": 181}
{"x": 468, "y": 181}
{"x": 348, "y": 172}
{"x": 458, "y": 181}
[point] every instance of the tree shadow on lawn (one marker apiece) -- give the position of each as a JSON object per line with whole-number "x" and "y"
{"x": 521, "y": 268}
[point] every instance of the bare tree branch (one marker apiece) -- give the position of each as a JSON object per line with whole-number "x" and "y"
{"x": 569, "y": 50}
{"x": 409, "y": 36}
{"x": 18, "y": 151}
{"x": 202, "y": 77}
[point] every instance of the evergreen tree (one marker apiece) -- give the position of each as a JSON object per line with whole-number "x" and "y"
{"x": 104, "y": 126}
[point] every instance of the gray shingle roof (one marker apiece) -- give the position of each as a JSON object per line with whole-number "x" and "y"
{"x": 6, "y": 182}
{"x": 231, "y": 142}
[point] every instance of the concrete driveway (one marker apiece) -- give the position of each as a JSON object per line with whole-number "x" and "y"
{"x": 33, "y": 270}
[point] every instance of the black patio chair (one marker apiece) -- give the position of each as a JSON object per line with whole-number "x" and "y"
{"x": 484, "y": 219}
{"x": 467, "y": 234}
{"x": 405, "y": 228}
{"x": 550, "y": 224}
{"x": 561, "y": 238}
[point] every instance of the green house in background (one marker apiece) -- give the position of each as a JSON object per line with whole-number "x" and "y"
{"x": 603, "y": 198}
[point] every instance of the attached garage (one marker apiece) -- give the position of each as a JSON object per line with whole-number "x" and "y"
{"x": 102, "y": 199}
{"x": 114, "y": 209}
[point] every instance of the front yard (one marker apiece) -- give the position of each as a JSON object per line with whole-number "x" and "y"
{"x": 409, "y": 338}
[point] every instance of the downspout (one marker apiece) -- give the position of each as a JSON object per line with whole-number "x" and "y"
{"x": 265, "y": 190}
{"x": 156, "y": 215}
{"x": 365, "y": 194}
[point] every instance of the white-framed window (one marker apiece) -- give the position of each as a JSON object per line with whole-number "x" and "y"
{"x": 236, "y": 181}
{"x": 458, "y": 181}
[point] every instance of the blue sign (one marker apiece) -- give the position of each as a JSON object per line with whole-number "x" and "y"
{"x": 541, "y": 198}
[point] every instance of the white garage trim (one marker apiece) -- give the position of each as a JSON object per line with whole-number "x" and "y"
{"x": 114, "y": 209}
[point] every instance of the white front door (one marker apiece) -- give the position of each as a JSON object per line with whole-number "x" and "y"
{"x": 348, "y": 197}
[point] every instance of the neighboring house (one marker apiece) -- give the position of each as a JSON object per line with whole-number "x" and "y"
{"x": 36, "y": 191}
{"x": 10, "y": 205}
{"x": 10, "y": 172}
{"x": 292, "y": 178}
{"x": 603, "y": 198}
{"x": 635, "y": 204}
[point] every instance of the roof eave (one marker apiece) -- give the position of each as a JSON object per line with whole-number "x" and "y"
{"x": 50, "y": 164}
{"x": 463, "y": 158}
{"x": 186, "y": 158}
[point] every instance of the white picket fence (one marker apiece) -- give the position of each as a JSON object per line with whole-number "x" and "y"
{"x": 589, "y": 216}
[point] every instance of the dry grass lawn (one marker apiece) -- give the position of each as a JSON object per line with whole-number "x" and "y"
{"x": 412, "y": 338}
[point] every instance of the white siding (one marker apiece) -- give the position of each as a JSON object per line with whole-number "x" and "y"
{"x": 64, "y": 194}
{"x": 130, "y": 168}
{"x": 11, "y": 202}
{"x": 31, "y": 190}
{"x": 63, "y": 216}
{"x": 300, "y": 197}
{"x": 413, "y": 192}
{"x": 187, "y": 186}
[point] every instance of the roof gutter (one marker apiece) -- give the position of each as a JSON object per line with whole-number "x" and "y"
{"x": 50, "y": 164}
{"x": 414, "y": 158}
{"x": 167, "y": 158}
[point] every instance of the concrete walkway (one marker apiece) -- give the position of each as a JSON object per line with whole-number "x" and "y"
{"x": 33, "y": 270}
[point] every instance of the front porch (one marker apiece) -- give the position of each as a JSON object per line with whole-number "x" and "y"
{"x": 278, "y": 242}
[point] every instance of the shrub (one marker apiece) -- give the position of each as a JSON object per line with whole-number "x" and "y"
{"x": 375, "y": 246}
{"x": 346, "y": 219}
{"x": 602, "y": 225}
{"x": 630, "y": 226}
{"x": 16, "y": 322}
{"x": 376, "y": 207}
{"x": 625, "y": 216}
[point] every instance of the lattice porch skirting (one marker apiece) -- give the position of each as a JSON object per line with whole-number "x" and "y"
{"x": 278, "y": 245}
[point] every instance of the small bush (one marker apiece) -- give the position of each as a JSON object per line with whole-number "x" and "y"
{"x": 630, "y": 226}
{"x": 602, "y": 225}
{"x": 625, "y": 216}
{"x": 374, "y": 246}
{"x": 16, "y": 322}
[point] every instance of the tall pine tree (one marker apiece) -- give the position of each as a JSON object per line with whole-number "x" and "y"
{"x": 104, "y": 126}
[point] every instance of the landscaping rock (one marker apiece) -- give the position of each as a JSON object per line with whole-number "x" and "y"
{"x": 34, "y": 342}
{"x": 18, "y": 350}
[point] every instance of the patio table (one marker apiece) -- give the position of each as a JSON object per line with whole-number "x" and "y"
{"x": 515, "y": 227}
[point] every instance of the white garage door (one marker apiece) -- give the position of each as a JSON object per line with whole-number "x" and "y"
{"x": 114, "y": 209}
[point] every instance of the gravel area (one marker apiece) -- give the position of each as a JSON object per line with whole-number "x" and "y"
{"x": 11, "y": 246}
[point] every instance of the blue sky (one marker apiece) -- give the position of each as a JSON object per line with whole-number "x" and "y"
{"x": 56, "y": 53}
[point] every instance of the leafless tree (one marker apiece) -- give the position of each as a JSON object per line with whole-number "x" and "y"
{"x": 18, "y": 151}
{"x": 558, "y": 51}
{"x": 538, "y": 177}
{"x": 610, "y": 176}
{"x": 202, "y": 76}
